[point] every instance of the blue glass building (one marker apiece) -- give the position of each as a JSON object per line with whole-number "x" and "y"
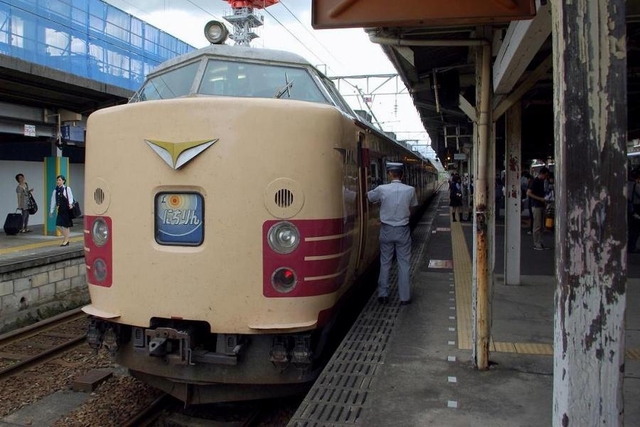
{"x": 87, "y": 38}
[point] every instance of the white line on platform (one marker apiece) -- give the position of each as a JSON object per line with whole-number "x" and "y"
{"x": 451, "y": 358}
{"x": 452, "y": 404}
{"x": 452, "y": 379}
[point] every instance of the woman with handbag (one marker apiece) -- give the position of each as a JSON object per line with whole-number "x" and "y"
{"x": 24, "y": 195}
{"x": 62, "y": 200}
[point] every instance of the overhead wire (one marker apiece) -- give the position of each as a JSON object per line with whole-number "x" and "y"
{"x": 311, "y": 33}
{"x": 293, "y": 35}
{"x": 206, "y": 11}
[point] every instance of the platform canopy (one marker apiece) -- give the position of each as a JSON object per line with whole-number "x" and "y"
{"x": 375, "y": 13}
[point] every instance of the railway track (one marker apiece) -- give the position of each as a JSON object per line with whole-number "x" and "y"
{"x": 17, "y": 345}
{"x": 168, "y": 411}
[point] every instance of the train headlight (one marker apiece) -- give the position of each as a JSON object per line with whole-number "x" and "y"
{"x": 284, "y": 279}
{"x": 216, "y": 32}
{"x": 99, "y": 232}
{"x": 283, "y": 237}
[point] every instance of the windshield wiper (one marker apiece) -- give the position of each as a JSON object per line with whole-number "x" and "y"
{"x": 286, "y": 89}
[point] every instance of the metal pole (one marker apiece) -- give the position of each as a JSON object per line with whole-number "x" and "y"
{"x": 589, "y": 85}
{"x": 482, "y": 320}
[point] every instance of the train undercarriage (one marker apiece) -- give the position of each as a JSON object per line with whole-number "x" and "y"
{"x": 183, "y": 359}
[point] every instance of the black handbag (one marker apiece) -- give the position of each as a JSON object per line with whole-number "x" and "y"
{"x": 32, "y": 206}
{"x": 75, "y": 210}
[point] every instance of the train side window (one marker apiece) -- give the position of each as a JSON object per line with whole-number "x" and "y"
{"x": 374, "y": 175}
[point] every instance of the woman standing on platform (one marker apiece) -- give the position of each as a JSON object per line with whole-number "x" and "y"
{"x": 23, "y": 192}
{"x": 455, "y": 198}
{"x": 62, "y": 199}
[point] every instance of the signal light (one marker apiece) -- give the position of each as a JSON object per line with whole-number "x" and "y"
{"x": 284, "y": 279}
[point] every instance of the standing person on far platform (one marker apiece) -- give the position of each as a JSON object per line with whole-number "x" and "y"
{"x": 23, "y": 191}
{"x": 62, "y": 199}
{"x": 455, "y": 198}
{"x": 536, "y": 195}
{"x": 396, "y": 200}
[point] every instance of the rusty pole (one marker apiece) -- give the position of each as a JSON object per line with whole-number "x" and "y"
{"x": 589, "y": 73}
{"x": 481, "y": 312}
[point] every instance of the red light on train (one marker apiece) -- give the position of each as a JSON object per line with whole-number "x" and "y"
{"x": 98, "y": 250}
{"x": 284, "y": 279}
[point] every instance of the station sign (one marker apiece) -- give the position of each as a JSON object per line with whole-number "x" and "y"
{"x": 399, "y": 13}
{"x": 459, "y": 156}
{"x": 72, "y": 133}
{"x": 29, "y": 130}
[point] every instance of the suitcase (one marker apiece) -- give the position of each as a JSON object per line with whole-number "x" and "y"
{"x": 13, "y": 224}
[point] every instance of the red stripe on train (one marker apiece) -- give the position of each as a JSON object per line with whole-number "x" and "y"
{"x": 98, "y": 259}
{"x": 320, "y": 261}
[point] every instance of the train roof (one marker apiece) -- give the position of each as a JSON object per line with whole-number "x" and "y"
{"x": 239, "y": 52}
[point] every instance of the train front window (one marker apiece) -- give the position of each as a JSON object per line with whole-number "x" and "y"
{"x": 253, "y": 80}
{"x": 172, "y": 84}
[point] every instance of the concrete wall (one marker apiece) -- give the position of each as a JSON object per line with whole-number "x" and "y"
{"x": 34, "y": 174}
{"x": 40, "y": 288}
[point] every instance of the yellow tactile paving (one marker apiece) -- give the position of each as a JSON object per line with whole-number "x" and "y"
{"x": 533, "y": 348}
{"x": 632, "y": 354}
{"x": 462, "y": 277}
{"x": 462, "y": 270}
{"x": 38, "y": 245}
{"x": 505, "y": 347}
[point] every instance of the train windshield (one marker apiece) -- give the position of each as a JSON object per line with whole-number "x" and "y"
{"x": 172, "y": 84}
{"x": 254, "y": 80}
{"x": 233, "y": 78}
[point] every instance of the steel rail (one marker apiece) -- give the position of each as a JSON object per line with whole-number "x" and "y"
{"x": 40, "y": 327}
{"x": 41, "y": 358}
{"x": 150, "y": 413}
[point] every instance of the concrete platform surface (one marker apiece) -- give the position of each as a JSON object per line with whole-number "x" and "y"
{"x": 46, "y": 411}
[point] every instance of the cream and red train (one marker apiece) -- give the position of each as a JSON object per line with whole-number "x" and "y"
{"x": 226, "y": 221}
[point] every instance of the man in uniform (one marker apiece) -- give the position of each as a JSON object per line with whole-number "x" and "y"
{"x": 396, "y": 199}
{"x": 536, "y": 195}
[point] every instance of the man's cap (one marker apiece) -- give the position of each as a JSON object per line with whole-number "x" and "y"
{"x": 394, "y": 166}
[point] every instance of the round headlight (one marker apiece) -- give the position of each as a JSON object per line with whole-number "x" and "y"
{"x": 99, "y": 270}
{"x": 216, "y": 32}
{"x": 284, "y": 280}
{"x": 283, "y": 237}
{"x": 99, "y": 232}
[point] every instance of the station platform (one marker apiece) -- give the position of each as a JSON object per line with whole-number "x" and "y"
{"x": 25, "y": 250}
{"x": 412, "y": 365}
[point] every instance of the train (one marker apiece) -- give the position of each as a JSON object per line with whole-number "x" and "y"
{"x": 226, "y": 221}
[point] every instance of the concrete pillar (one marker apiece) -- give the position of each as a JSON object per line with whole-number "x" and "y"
{"x": 53, "y": 166}
{"x": 589, "y": 66}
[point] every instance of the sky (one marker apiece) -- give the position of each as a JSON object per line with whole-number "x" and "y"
{"x": 287, "y": 26}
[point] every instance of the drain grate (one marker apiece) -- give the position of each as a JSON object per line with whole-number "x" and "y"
{"x": 339, "y": 396}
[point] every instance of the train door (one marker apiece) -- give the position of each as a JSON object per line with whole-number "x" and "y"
{"x": 363, "y": 219}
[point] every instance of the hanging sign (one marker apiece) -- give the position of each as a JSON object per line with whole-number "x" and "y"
{"x": 29, "y": 130}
